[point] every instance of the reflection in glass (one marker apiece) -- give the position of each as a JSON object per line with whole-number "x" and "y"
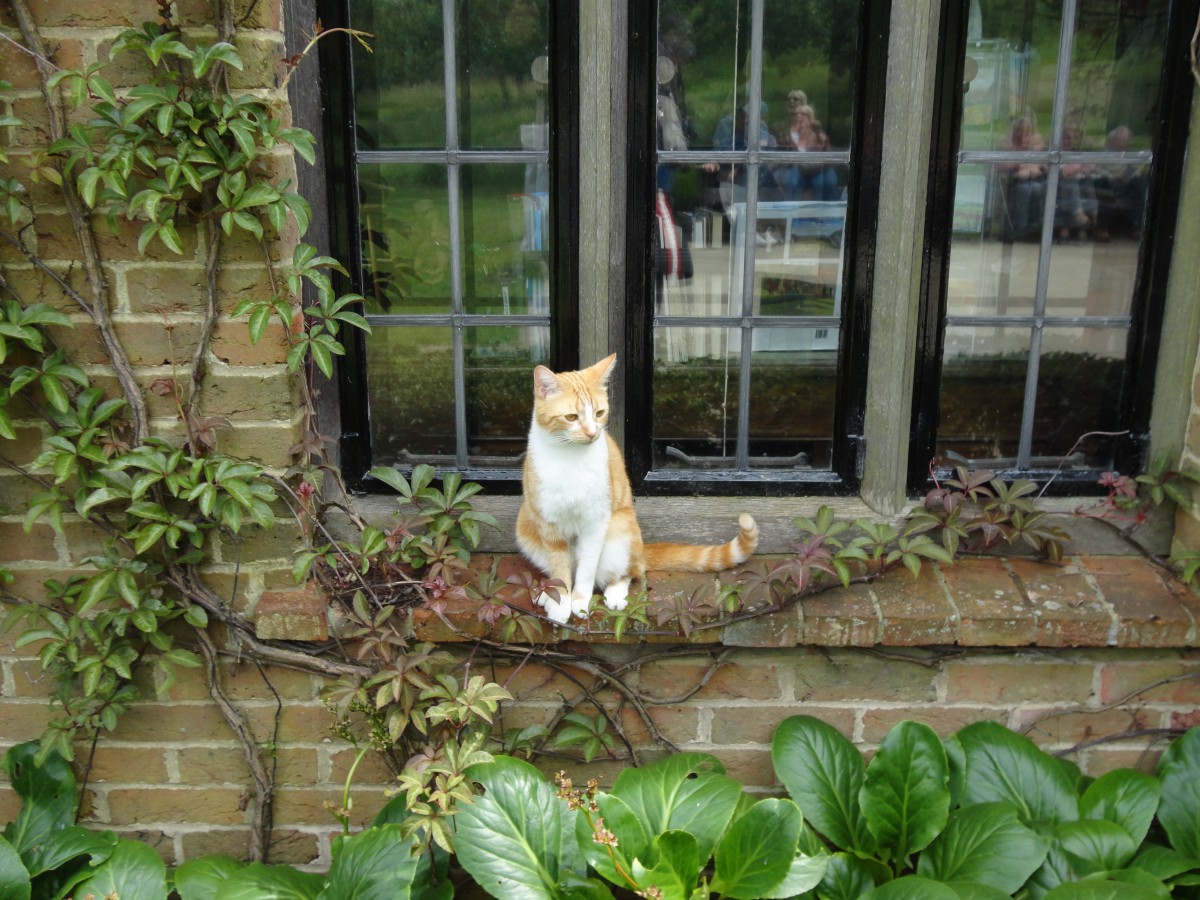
{"x": 1079, "y": 391}
{"x": 506, "y": 242}
{"x": 983, "y": 391}
{"x": 499, "y": 389}
{"x": 399, "y": 83}
{"x": 412, "y": 395}
{"x": 405, "y": 238}
{"x": 793, "y": 390}
{"x": 695, "y": 397}
{"x": 502, "y": 74}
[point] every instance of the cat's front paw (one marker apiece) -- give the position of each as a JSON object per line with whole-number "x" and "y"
{"x": 580, "y": 604}
{"x": 616, "y": 597}
{"x": 556, "y": 610}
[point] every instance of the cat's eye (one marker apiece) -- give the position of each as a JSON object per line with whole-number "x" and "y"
{"x": 570, "y": 417}
{"x": 601, "y": 413}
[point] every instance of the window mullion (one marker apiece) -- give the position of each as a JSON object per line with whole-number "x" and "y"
{"x": 453, "y": 190}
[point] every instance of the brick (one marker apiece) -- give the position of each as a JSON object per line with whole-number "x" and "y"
{"x": 288, "y": 845}
{"x": 281, "y": 541}
{"x": 25, "y": 720}
{"x": 173, "y": 722}
{"x": 751, "y": 767}
{"x": 34, "y": 286}
{"x": 372, "y": 771}
{"x": 28, "y": 680}
{"x": 1047, "y": 727}
{"x": 164, "y": 289}
{"x": 1167, "y": 678}
{"x": 1149, "y": 604}
{"x": 120, "y": 764}
{"x": 742, "y": 677}
{"x": 185, "y": 805}
{"x": 36, "y": 545}
{"x": 733, "y": 725}
{"x": 536, "y": 682}
{"x": 162, "y": 842}
{"x": 248, "y": 14}
{"x": 21, "y": 71}
{"x": 22, "y": 450}
{"x": 262, "y": 56}
{"x": 231, "y": 344}
{"x": 993, "y": 610}
{"x": 296, "y": 615}
{"x": 916, "y": 611}
{"x": 1069, "y": 612}
{"x": 227, "y": 765}
{"x": 1023, "y": 679}
{"x": 297, "y": 723}
{"x": 679, "y": 724}
{"x": 1103, "y": 759}
{"x": 841, "y": 675}
{"x": 110, "y": 14}
{"x": 10, "y": 803}
{"x": 841, "y": 617}
{"x": 944, "y": 720}
{"x": 307, "y": 806}
{"x": 117, "y": 242}
{"x": 778, "y": 629}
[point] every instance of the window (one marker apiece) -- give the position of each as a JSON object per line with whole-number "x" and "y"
{"x": 753, "y": 314}
{"x": 455, "y": 203}
{"x": 1047, "y": 318}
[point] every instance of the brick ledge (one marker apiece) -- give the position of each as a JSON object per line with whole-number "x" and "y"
{"x": 1088, "y": 601}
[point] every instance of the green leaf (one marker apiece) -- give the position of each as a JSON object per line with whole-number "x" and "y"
{"x": 985, "y": 843}
{"x": 847, "y": 877}
{"x": 1163, "y": 862}
{"x": 14, "y": 879}
{"x": 95, "y": 590}
{"x": 1179, "y": 781}
{"x": 757, "y": 851}
{"x": 906, "y": 795}
{"x": 912, "y": 887}
{"x": 376, "y": 864}
{"x": 133, "y": 870}
{"x": 201, "y": 879}
{"x": 632, "y": 841}
{"x": 1006, "y": 767}
{"x": 824, "y": 773}
{"x": 1124, "y": 797}
{"x": 683, "y": 792}
{"x": 676, "y": 865}
{"x": 1101, "y": 890}
{"x": 261, "y": 882}
{"x": 518, "y": 838}
{"x": 1094, "y": 845}
{"x": 805, "y": 872}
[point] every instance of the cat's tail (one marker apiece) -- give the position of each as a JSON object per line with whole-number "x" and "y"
{"x": 671, "y": 557}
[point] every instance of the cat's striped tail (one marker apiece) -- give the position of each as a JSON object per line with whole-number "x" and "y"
{"x": 669, "y": 557}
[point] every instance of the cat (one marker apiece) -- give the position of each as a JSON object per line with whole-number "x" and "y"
{"x": 576, "y": 521}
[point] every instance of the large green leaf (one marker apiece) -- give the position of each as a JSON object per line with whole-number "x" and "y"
{"x": 912, "y": 887}
{"x": 1101, "y": 890}
{"x": 1093, "y": 845}
{"x": 1163, "y": 862}
{"x": 1179, "y": 781}
{"x": 67, "y": 844}
{"x": 985, "y": 843}
{"x": 684, "y": 792}
{"x": 824, "y": 773}
{"x": 846, "y": 878}
{"x": 376, "y": 864}
{"x": 757, "y": 851}
{"x": 906, "y": 796}
{"x": 973, "y": 890}
{"x": 1124, "y": 797}
{"x": 632, "y": 841}
{"x": 47, "y": 793}
{"x": 261, "y": 882}
{"x": 200, "y": 879}
{"x": 133, "y": 870}
{"x": 804, "y": 874}
{"x": 1005, "y": 767}
{"x": 673, "y": 865}
{"x": 518, "y": 839}
{"x": 14, "y": 879}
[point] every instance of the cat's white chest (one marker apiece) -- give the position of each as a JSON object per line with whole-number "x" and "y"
{"x": 573, "y": 483}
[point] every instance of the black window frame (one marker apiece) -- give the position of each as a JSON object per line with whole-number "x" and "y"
{"x": 1169, "y": 146}
{"x": 845, "y": 473}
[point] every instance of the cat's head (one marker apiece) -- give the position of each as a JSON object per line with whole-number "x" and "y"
{"x": 572, "y": 407}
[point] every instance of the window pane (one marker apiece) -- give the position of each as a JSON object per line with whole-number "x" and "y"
{"x": 983, "y": 391}
{"x": 793, "y": 385}
{"x": 506, "y": 242}
{"x": 499, "y": 389}
{"x": 412, "y": 395}
{"x": 695, "y": 397}
{"x": 1079, "y": 391}
{"x": 405, "y": 238}
{"x": 399, "y": 83}
{"x": 502, "y": 74}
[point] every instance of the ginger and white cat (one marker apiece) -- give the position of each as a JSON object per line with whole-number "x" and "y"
{"x": 576, "y": 521}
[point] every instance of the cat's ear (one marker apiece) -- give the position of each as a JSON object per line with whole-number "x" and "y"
{"x": 602, "y": 370}
{"x": 545, "y": 383}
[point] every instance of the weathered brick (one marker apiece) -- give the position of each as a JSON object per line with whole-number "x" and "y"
{"x": 732, "y": 725}
{"x": 171, "y": 722}
{"x": 993, "y": 610}
{"x": 162, "y": 805}
{"x": 297, "y": 723}
{"x": 70, "y": 14}
{"x": 745, "y": 676}
{"x": 25, "y": 720}
{"x": 247, "y": 13}
{"x": 372, "y": 770}
{"x": 37, "y": 544}
{"x": 855, "y": 675}
{"x": 295, "y": 615}
{"x": 227, "y": 765}
{"x": 297, "y": 806}
{"x": 751, "y": 767}
{"x": 231, "y": 344}
{"x": 1101, "y": 760}
{"x": 1069, "y": 727}
{"x": 1069, "y": 612}
{"x": 160, "y": 841}
{"x": 537, "y": 682}
{"x": 916, "y": 611}
{"x": 21, "y": 71}
{"x": 679, "y": 724}
{"x": 780, "y": 629}
{"x": 262, "y": 57}
{"x": 1149, "y": 605}
{"x": 121, "y": 764}
{"x": 29, "y": 680}
{"x": 288, "y": 845}
{"x": 1023, "y": 679}
{"x": 841, "y": 617}
{"x": 945, "y": 720}
{"x": 22, "y": 450}
{"x": 35, "y": 286}
{"x": 1167, "y": 678}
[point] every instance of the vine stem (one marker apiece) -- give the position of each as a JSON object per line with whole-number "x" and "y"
{"x": 97, "y": 283}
